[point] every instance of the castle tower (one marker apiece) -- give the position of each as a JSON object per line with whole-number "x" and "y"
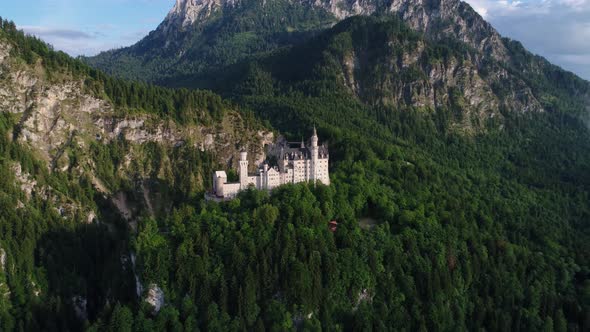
{"x": 243, "y": 169}
{"x": 314, "y": 155}
{"x": 264, "y": 176}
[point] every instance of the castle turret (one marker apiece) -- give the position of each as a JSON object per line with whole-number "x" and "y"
{"x": 243, "y": 169}
{"x": 219, "y": 181}
{"x": 314, "y": 155}
{"x": 264, "y": 176}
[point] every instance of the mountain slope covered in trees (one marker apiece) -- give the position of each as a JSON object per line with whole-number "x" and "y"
{"x": 221, "y": 34}
{"x": 82, "y": 157}
{"x": 381, "y": 63}
{"x": 438, "y": 230}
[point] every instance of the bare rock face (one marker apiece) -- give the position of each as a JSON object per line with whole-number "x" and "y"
{"x": 155, "y": 297}
{"x": 2, "y": 260}
{"x": 403, "y": 75}
{"x": 437, "y": 18}
{"x": 363, "y": 296}
{"x": 186, "y": 12}
{"x": 137, "y": 130}
{"x": 26, "y": 181}
{"x": 266, "y": 139}
{"x": 4, "y": 289}
{"x": 4, "y": 51}
{"x": 54, "y": 115}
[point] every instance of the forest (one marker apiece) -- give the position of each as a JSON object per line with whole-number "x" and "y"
{"x": 484, "y": 231}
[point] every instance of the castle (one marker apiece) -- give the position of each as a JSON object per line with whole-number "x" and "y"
{"x": 295, "y": 164}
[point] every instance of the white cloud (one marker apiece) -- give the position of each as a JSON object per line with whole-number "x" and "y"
{"x": 556, "y": 29}
{"x": 77, "y": 42}
{"x": 56, "y": 32}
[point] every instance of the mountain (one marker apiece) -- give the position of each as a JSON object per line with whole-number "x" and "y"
{"x": 446, "y": 57}
{"x": 459, "y": 168}
{"x": 198, "y": 35}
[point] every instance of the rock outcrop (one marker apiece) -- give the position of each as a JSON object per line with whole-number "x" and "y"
{"x": 80, "y": 305}
{"x": 53, "y": 115}
{"x": 187, "y": 12}
{"x": 2, "y": 260}
{"x": 155, "y": 297}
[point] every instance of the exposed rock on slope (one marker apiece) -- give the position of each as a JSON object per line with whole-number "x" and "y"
{"x": 414, "y": 78}
{"x": 60, "y": 119}
{"x": 50, "y": 113}
{"x": 386, "y": 65}
{"x": 155, "y": 297}
{"x": 186, "y": 12}
{"x": 2, "y": 260}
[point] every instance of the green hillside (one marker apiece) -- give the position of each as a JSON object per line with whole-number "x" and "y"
{"x": 448, "y": 218}
{"x": 466, "y": 224}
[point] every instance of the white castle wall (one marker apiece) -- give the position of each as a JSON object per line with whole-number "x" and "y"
{"x": 291, "y": 170}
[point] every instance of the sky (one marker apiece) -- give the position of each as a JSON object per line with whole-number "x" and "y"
{"x": 86, "y": 27}
{"x": 559, "y": 30}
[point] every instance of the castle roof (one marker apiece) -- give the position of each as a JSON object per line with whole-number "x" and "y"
{"x": 295, "y": 153}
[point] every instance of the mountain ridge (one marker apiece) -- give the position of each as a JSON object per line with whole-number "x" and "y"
{"x": 187, "y": 24}
{"x": 199, "y": 41}
{"x": 418, "y": 14}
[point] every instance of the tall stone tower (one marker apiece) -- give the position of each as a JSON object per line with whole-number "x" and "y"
{"x": 314, "y": 155}
{"x": 243, "y": 169}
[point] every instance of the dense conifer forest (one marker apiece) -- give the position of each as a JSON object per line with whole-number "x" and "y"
{"x": 437, "y": 230}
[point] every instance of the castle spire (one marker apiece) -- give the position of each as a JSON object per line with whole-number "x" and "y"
{"x": 314, "y": 138}
{"x": 314, "y": 157}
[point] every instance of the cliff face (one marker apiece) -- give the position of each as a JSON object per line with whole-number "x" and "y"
{"x": 64, "y": 123}
{"x": 187, "y": 12}
{"x": 396, "y": 72}
{"x": 436, "y": 18}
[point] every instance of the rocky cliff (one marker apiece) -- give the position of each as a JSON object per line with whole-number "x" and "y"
{"x": 65, "y": 124}
{"x": 403, "y": 70}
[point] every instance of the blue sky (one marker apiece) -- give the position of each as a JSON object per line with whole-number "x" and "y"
{"x": 556, "y": 29}
{"x": 87, "y": 26}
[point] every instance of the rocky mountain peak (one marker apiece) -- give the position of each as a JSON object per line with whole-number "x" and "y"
{"x": 436, "y": 18}
{"x": 186, "y": 12}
